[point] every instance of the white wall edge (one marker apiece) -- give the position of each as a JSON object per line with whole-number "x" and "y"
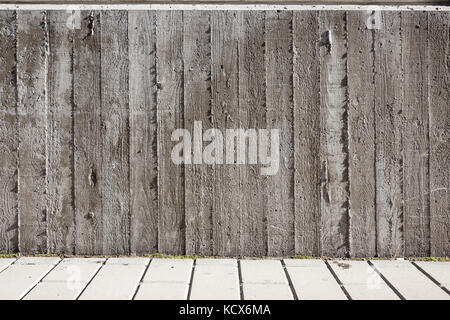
{"x": 214, "y": 7}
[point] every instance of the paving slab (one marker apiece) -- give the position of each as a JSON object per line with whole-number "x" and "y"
{"x": 18, "y": 279}
{"x": 169, "y": 270}
{"x": 264, "y": 279}
{"x": 215, "y": 282}
{"x": 67, "y": 280}
{"x": 129, "y": 261}
{"x": 263, "y": 271}
{"x": 5, "y": 263}
{"x": 114, "y": 282}
{"x": 38, "y": 260}
{"x": 361, "y": 281}
{"x": 162, "y": 291}
{"x": 74, "y": 270}
{"x": 230, "y": 262}
{"x": 312, "y": 280}
{"x": 439, "y": 270}
{"x": 267, "y": 291}
{"x": 83, "y": 260}
{"x": 55, "y": 291}
{"x": 409, "y": 281}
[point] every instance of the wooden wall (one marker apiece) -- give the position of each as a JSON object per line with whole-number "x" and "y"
{"x": 86, "y": 114}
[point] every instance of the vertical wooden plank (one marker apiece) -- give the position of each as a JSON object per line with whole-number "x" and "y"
{"x": 252, "y": 115}
{"x": 388, "y": 131}
{"x": 59, "y": 143}
{"x": 439, "y": 100}
{"x": 143, "y": 140}
{"x": 415, "y": 134}
{"x": 8, "y": 134}
{"x": 115, "y": 132}
{"x": 197, "y": 107}
{"x": 225, "y": 115}
{"x": 361, "y": 134}
{"x": 306, "y": 127}
{"x": 334, "y": 134}
{"x": 279, "y": 95}
{"x": 32, "y": 60}
{"x": 169, "y": 73}
{"x": 87, "y": 135}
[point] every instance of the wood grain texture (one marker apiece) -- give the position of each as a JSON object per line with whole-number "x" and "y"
{"x": 32, "y": 105}
{"x": 87, "y": 135}
{"x": 225, "y": 115}
{"x": 388, "y": 131}
{"x": 115, "y": 132}
{"x": 169, "y": 74}
{"x": 61, "y": 224}
{"x": 415, "y": 134}
{"x": 8, "y": 134}
{"x": 279, "y": 95}
{"x": 199, "y": 178}
{"x": 89, "y": 102}
{"x": 143, "y": 132}
{"x": 439, "y": 126}
{"x": 361, "y": 134}
{"x": 334, "y": 134}
{"x": 252, "y": 115}
{"x": 306, "y": 126}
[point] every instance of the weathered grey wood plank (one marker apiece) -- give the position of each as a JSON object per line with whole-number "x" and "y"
{"x": 115, "y": 132}
{"x": 252, "y": 115}
{"x": 143, "y": 132}
{"x": 306, "y": 126}
{"x": 169, "y": 73}
{"x": 388, "y": 131}
{"x": 334, "y": 134}
{"x": 225, "y": 115}
{"x": 280, "y": 115}
{"x": 59, "y": 142}
{"x": 361, "y": 135}
{"x": 415, "y": 134}
{"x": 199, "y": 177}
{"x": 8, "y": 134}
{"x": 439, "y": 100}
{"x": 87, "y": 135}
{"x": 32, "y": 61}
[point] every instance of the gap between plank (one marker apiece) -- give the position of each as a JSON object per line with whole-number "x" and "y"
{"x": 291, "y": 285}
{"x": 337, "y": 280}
{"x": 191, "y": 279}
{"x": 430, "y": 277}
{"x": 241, "y": 284}
{"x": 390, "y": 285}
